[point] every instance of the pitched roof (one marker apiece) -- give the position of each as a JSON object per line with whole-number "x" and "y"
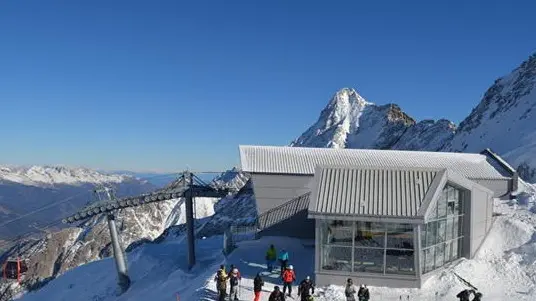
{"x": 385, "y": 192}
{"x": 303, "y": 160}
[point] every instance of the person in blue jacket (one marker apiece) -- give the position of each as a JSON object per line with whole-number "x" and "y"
{"x": 283, "y": 259}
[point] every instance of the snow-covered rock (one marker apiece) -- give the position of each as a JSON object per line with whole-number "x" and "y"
{"x": 349, "y": 121}
{"x": 505, "y": 120}
{"x": 426, "y": 135}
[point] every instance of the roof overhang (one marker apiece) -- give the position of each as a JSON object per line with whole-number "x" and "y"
{"x": 367, "y": 218}
{"x": 433, "y": 191}
{"x": 410, "y": 189}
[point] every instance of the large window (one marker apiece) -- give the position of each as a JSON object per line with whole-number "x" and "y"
{"x": 369, "y": 247}
{"x": 441, "y": 237}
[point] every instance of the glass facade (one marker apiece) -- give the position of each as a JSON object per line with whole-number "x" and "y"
{"x": 441, "y": 236}
{"x": 368, "y": 247}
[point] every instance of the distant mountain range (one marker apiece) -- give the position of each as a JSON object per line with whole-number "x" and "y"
{"x": 504, "y": 120}
{"x": 35, "y": 196}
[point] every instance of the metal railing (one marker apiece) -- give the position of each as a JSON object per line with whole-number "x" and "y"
{"x": 283, "y": 211}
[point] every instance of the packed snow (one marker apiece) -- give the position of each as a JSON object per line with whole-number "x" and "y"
{"x": 503, "y": 269}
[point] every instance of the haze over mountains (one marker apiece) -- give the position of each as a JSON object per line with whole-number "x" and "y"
{"x": 28, "y": 194}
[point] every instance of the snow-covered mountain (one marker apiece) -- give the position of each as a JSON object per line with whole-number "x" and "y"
{"x": 349, "y": 121}
{"x": 504, "y": 120}
{"x": 50, "y": 193}
{"x": 43, "y": 176}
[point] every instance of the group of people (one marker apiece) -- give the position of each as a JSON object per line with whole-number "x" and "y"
{"x": 466, "y": 294}
{"x": 288, "y": 277}
{"x": 221, "y": 279}
{"x": 362, "y": 294}
{"x": 306, "y": 287}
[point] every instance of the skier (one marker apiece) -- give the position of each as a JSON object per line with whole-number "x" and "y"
{"x": 288, "y": 278}
{"x": 283, "y": 259}
{"x": 271, "y": 256}
{"x": 363, "y": 293}
{"x": 233, "y": 281}
{"x": 306, "y": 289}
{"x": 221, "y": 284}
{"x": 477, "y": 297}
{"x": 464, "y": 295}
{"x": 276, "y": 295}
{"x": 257, "y": 286}
{"x": 350, "y": 290}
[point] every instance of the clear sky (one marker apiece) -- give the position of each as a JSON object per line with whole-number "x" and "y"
{"x": 161, "y": 85}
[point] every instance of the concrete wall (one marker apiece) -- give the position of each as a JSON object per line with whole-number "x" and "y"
{"x": 480, "y": 217}
{"x": 297, "y": 226}
{"x": 274, "y": 190}
{"x": 280, "y": 214}
{"x": 501, "y": 188}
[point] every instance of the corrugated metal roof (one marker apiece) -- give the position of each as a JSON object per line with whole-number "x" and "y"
{"x": 303, "y": 160}
{"x": 387, "y": 192}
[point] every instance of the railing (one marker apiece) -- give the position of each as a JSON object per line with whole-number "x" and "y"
{"x": 283, "y": 211}
{"x": 267, "y": 219}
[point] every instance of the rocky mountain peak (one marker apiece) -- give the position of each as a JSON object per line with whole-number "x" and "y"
{"x": 349, "y": 121}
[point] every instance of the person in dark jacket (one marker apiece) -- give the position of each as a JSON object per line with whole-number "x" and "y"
{"x": 234, "y": 281}
{"x": 464, "y": 295}
{"x": 277, "y": 295}
{"x": 477, "y": 297}
{"x": 363, "y": 293}
{"x": 306, "y": 289}
{"x": 349, "y": 291}
{"x": 258, "y": 283}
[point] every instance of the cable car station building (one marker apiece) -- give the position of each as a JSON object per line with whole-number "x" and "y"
{"x": 390, "y": 217}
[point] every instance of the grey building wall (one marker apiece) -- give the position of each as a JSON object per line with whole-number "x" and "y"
{"x": 480, "y": 217}
{"x": 501, "y": 188}
{"x": 297, "y": 226}
{"x": 288, "y": 219}
{"x": 274, "y": 190}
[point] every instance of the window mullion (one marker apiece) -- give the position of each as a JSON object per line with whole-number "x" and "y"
{"x": 384, "y": 249}
{"x": 353, "y": 246}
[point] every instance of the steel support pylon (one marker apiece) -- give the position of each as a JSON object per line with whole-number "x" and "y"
{"x": 189, "y": 199}
{"x": 119, "y": 255}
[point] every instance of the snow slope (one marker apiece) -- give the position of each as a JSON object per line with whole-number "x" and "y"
{"x": 504, "y": 268}
{"x": 505, "y": 119}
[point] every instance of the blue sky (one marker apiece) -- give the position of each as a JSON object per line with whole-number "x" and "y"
{"x": 161, "y": 85}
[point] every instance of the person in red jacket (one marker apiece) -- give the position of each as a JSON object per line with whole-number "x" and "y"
{"x": 288, "y": 278}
